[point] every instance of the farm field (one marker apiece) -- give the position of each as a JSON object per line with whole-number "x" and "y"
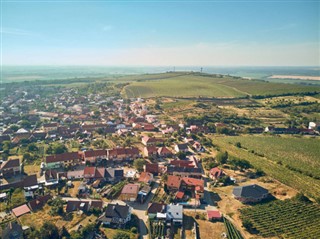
{"x": 284, "y": 219}
{"x": 292, "y": 161}
{"x": 182, "y": 86}
{"x": 209, "y": 86}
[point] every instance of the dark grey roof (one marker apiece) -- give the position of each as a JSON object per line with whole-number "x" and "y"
{"x": 115, "y": 211}
{"x": 182, "y": 146}
{"x": 172, "y": 169}
{"x": 250, "y": 191}
{"x": 114, "y": 173}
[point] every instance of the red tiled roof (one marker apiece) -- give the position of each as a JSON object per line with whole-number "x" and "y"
{"x": 179, "y": 195}
{"x": 145, "y": 177}
{"x": 182, "y": 163}
{"x": 123, "y": 151}
{"x": 130, "y": 189}
{"x": 193, "y": 181}
{"x": 173, "y": 181}
{"x": 19, "y": 211}
{"x": 213, "y": 214}
{"x": 216, "y": 172}
{"x": 164, "y": 150}
{"x": 89, "y": 170}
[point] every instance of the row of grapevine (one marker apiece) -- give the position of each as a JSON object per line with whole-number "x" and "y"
{"x": 232, "y": 232}
{"x": 286, "y": 219}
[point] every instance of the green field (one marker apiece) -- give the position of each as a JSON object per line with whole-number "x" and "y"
{"x": 281, "y": 158}
{"x": 284, "y": 219}
{"x": 182, "y": 86}
{"x": 195, "y": 85}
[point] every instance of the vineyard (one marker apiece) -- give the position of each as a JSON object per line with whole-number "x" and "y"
{"x": 284, "y": 219}
{"x": 293, "y": 161}
{"x": 232, "y": 232}
{"x": 157, "y": 229}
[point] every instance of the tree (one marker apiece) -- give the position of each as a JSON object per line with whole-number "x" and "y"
{"x": 56, "y": 206}
{"x": 49, "y": 231}
{"x": 138, "y": 164}
{"x": 33, "y": 147}
{"x": 222, "y": 157}
{"x": 121, "y": 235}
{"x": 14, "y": 127}
{"x": 57, "y": 148}
{"x": 25, "y": 124}
{"x": 27, "y": 157}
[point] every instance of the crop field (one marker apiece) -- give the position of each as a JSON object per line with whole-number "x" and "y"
{"x": 232, "y": 232}
{"x": 292, "y": 161}
{"x": 284, "y": 219}
{"x": 182, "y": 86}
{"x": 209, "y": 86}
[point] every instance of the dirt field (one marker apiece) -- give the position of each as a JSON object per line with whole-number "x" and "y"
{"x": 212, "y": 230}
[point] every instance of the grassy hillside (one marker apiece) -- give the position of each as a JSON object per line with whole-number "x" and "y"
{"x": 195, "y": 85}
{"x": 293, "y": 161}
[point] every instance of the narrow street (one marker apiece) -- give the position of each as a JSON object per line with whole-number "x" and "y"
{"x": 140, "y": 210}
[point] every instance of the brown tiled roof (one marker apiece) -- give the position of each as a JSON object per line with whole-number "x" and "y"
{"x": 193, "y": 181}
{"x": 96, "y": 204}
{"x": 156, "y": 207}
{"x": 182, "y": 163}
{"x": 151, "y": 149}
{"x": 152, "y": 168}
{"x": 95, "y": 153}
{"x": 62, "y": 157}
{"x": 39, "y": 202}
{"x": 130, "y": 189}
{"x": 123, "y": 151}
{"x": 12, "y": 163}
{"x": 30, "y": 180}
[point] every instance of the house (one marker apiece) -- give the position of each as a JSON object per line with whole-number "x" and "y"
{"x": 21, "y": 210}
{"x": 214, "y": 215}
{"x": 77, "y": 205}
{"x": 94, "y": 156}
{"x": 314, "y": 125}
{"x": 146, "y": 178}
{"x": 10, "y": 168}
{"x": 85, "y": 206}
{"x": 51, "y": 177}
{"x": 194, "y": 186}
{"x": 250, "y": 193}
{"x": 12, "y": 230}
{"x": 114, "y": 175}
{"x": 116, "y": 214}
{"x": 173, "y": 183}
{"x": 129, "y": 192}
{"x": 216, "y": 173}
{"x": 149, "y": 141}
{"x": 120, "y": 154}
{"x": 143, "y": 193}
{"x": 30, "y": 183}
{"x": 181, "y": 148}
{"x": 184, "y": 171}
{"x": 197, "y": 146}
{"x": 63, "y": 160}
{"x": 174, "y": 215}
{"x": 180, "y": 185}
{"x": 150, "y": 151}
{"x": 49, "y": 127}
{"x": 76, "y": 174}
{"x": 164, "y": 152}
{"x": 152, "y": 168}
{"x": 154, "y": 208}
{"x": 39, "y": 202}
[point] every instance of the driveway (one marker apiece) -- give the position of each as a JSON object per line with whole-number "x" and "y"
{"x": 141, "y": 209}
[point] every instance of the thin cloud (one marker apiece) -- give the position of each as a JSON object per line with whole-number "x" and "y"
{"x": 280, "y": 28}
{"x": 107, "y": 28}
{"x": 16, "y": 31}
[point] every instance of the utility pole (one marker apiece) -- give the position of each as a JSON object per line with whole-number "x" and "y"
{"x": 201, "y": 69}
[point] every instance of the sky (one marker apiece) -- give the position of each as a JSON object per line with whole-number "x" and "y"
{"x": 161, "y": 33}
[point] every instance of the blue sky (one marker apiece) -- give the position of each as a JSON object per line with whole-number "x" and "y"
{"x": 160, "y": 33}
